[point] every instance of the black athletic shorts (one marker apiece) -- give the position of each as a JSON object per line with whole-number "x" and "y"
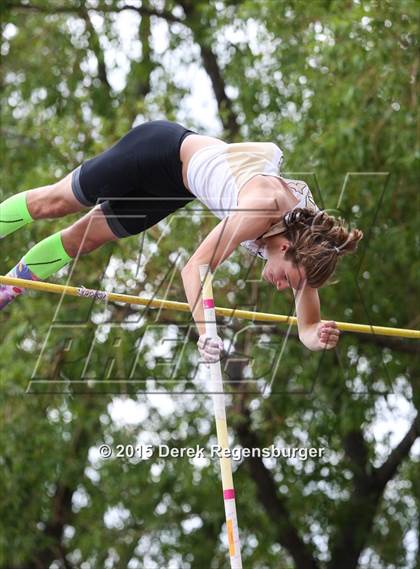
{"x": 138, "y": 181}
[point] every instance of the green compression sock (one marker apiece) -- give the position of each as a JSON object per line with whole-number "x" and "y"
{"x": 14, "y": 214}
{"x": 47, "y": 257}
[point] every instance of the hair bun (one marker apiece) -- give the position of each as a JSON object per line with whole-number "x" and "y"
{"x": 298, "y": 216}
{"x": 349, "y": 245}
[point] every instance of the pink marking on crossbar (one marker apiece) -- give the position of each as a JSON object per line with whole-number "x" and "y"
{"x": 208, "y": 303}
{"x": 229, "y": 494}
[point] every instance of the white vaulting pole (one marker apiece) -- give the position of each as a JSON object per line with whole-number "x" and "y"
{"x": 221, "y": 424}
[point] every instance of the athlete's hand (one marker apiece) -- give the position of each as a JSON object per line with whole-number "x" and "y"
{"x": 210, "y": 348}
{"x": 328, "y": 334}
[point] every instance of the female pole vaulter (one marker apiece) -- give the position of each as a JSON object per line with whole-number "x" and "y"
{"x": 165, "y": 166}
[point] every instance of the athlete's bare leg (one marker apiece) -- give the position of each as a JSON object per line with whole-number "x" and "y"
{"x": 87, "y": 233}
{"x": 54, "y": 200}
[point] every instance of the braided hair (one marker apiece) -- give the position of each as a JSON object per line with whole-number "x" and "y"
{"x": 317, "y": 240}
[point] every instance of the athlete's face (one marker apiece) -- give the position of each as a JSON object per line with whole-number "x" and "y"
{"x": 279, "y": 271}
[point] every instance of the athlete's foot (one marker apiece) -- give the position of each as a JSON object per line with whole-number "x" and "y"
{"x": 8, "y": 294}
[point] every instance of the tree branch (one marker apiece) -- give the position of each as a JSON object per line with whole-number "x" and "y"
{"x": 389, "y": 468}
{"x": 274, "y": 505}
{"x": 210, "y": 64}
{"x": 356, "y": 449}
{"x": 226, "y": 112}
{"x": 358, "y": 513}
{"x": 101, "y": 8}
{"x": 95, "y": 46}
{"x": 139, "y": 77}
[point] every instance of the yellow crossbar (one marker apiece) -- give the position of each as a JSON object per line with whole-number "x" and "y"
{"x": 183, "y": 306}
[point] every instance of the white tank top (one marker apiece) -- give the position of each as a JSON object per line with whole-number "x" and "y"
{"x": 217, "y": 173}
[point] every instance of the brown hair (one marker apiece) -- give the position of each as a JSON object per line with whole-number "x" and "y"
{"x": 317, "y": 240}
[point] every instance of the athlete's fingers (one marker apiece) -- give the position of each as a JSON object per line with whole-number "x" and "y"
{"x": 329, "y": 328}
{"x": 204, "y": 339}
{"x": 329, "y": 341}
{"x": 330, "y": 324}
{"x": 210, "y": 348}
{"x": 330, "y": 334}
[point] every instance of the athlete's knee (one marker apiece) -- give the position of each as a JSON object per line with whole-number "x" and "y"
{"x": 78, "y": 242}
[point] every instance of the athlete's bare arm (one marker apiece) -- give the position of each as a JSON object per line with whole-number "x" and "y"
{"x": 313, "y": 333}
{"x": 218, "y": 246}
